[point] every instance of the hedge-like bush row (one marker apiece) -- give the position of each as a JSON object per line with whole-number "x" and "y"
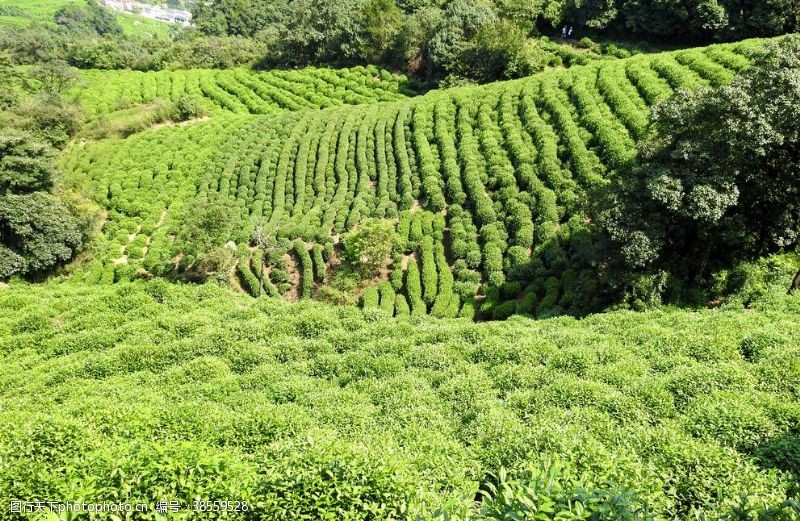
{"x": 727, "y": 58}
{"x": 444, "y": 125}
{"x": 370, "y": 298}
{"x": 247, "y": 278}
{"x": 618, "y": 147}
{"x": 414, "y": 288}
{"x": 387, "y": 297}
{"x": 429, "y": 275}
{"x": 404, "y": 175}
{"x": 623, "y": 98}
{"x": 396, "y": 278}
{"x": 469, "y": 157}
{"x": 239, "y": 90}
{"x": 444, "y": 303}
{"x": 401, "y": 307}
{"x": 428, "y": 161}
{"x": 678, "y": 76}
{"x": 319, "y": 262}
{"x": 305, "y": 267}
{"x": 652, "y": 87}
{"x": 585, "y": 164}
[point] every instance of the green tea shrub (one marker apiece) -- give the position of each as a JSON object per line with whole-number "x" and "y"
{"x": 370, "y": 298}
{"x": 390, "y": 418}
{"x": 555, "y": 490}
{"x": 387, "y": 297}
{"x": 306, "y": 268}
{"x": 321, "y": 476}
{"x": 318, "y": 262}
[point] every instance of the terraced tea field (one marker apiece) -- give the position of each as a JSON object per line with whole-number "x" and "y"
{"x": 477, "y": 178}
{"x": 240, "y": 91}
{"x": 320, "y": 294}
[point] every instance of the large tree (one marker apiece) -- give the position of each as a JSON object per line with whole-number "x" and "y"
{"x": 719, "y": 176}
{"x": 461, "y": 22}
{"x": 93, "y": 18}
{"x": 37, "y": 229}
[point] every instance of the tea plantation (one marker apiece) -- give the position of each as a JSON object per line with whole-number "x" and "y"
{"x": 148, "y": 390}
{"x": 478, "y": 179}
{"x": 239, "y": 91}
{"x": 339, "y": 293}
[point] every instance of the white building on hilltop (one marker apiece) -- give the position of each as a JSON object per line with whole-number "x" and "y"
{"x": 155, "y": 12}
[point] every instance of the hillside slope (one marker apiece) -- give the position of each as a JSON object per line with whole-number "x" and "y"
{"x": 21, "y": 13}
{"x": 147, "y": 391}
{"x": 240, "y": 91}
{"x": 479, "y": 179}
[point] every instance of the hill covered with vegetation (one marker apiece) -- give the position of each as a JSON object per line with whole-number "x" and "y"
{"x": 484, "y": 184}
{"x": 23, "y": 13}
{"x": 385, "y": 285}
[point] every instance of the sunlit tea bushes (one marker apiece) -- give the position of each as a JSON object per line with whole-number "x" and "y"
{"x": 115, "y": 393}
{"x": 493, "y": 175}
{"x": 240, "y": 91}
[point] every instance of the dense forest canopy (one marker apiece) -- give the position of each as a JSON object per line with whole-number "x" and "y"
{"x": 441, "y": 33}
{"x": 475, "y": 40}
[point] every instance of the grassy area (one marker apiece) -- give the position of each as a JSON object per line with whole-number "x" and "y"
{"x": 134, "y": 24}
{"x": 42, "y": 11}
{"x": 149, "y": 390}
{"x": 39, "y": 10}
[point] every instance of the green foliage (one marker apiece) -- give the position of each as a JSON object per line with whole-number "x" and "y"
{"x": 370, "y": 298}
{"x": 401, "y": 307}
{"x": 414, "y": 288}
{"x": 93, "y": 19}
{"x": 460, "y": 22}
{"x": 245, "y": 271}
{"x": 188, "y": 107}
{"x": 319, "y": 262}
{"x": 489, "y": 186}
{"x": 322, "y": 477}
{"x": 381, "y": 25}
{"x": 717, "y": 175}
{"x": 429, "y": 275}
{"x": 726, "y": 19}
{"x": 308, "y": 410}
{"x": 368, "y": 246}
{"x": 387, "y": 297}
{"x": 306, "y": 268}
{"x": 553, "y": 490}
{"x": 493, "y": 50}
{"x": 206, "y": 225}
{"x": 454, "y": 40}
{"x": 26, "y": 165}
{"x": 49, "y": 117}
{"x": 38, "y": 230}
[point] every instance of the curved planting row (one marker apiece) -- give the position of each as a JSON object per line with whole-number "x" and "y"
{"x": 141, "y": 185}
{"x": 239, "y": 90}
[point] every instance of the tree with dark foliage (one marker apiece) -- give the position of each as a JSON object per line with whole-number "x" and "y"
{"x": 93, "y": 18}
{"x": 37, "y": 229}
{"x": 718, "y": 180}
